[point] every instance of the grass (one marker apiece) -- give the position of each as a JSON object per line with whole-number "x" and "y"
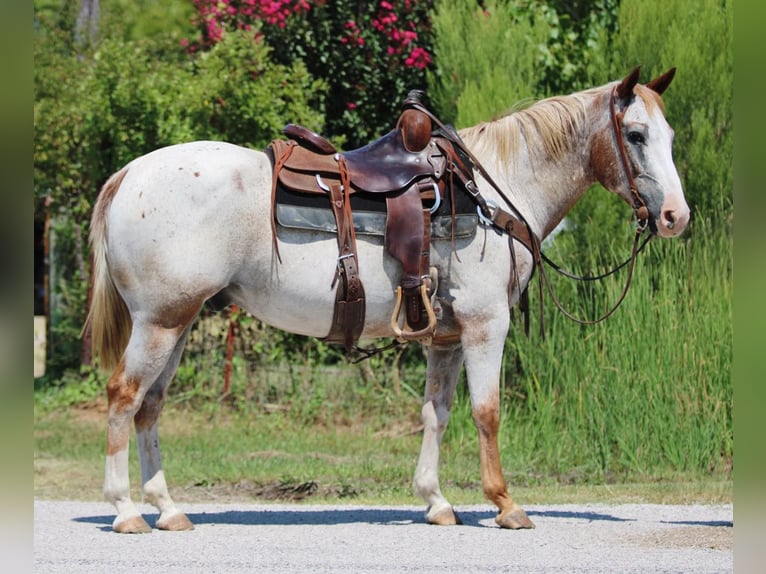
{"x": 229, "y": 456}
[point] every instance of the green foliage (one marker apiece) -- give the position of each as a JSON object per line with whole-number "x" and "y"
{"x": 492, "y": 55}
{"x": 236, "y": 93}
{"x": 75, "y": 387}
{"x": 486, "y": 59}
{"x": 162, "y": 24}
{"x": 576, "y": 55}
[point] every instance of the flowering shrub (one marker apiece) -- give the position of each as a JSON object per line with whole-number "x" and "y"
{"x": 369, "y": 53}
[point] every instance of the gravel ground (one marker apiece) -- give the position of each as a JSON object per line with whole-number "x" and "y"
{"x": 280, "y": 538}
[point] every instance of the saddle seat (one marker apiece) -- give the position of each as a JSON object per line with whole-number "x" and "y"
{"x": 384, "y": 166}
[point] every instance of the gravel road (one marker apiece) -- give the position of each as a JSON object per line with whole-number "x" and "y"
{"x": 280, "y": 538}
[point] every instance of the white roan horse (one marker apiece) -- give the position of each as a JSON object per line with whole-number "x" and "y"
{"x": 179, "y": 225}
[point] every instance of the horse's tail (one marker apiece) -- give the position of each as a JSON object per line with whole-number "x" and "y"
{"x": 108, "y": 317}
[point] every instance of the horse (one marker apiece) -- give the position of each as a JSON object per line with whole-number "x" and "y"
{"x": 190, "y": 222}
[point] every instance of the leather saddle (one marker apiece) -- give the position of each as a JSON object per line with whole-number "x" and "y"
{"x": 406, "y": 169}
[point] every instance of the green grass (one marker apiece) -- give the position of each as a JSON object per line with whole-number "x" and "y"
{"x": 233, "y": 457}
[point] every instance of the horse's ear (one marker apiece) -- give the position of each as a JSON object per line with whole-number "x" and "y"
{"x": 625, "y": 89}
{"x": 661, "y": 83}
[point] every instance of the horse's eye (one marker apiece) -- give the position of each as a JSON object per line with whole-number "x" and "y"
{"x": 636, "y": 138}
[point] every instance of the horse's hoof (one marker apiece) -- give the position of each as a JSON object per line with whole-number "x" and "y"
{"x": 175, "y": 522}
{"x": 132, "y": 525}
{"x": 516, "y": 519}
{"x": 445, "y": 516}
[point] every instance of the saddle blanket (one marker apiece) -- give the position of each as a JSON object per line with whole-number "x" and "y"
{"x": 313, "y": 213}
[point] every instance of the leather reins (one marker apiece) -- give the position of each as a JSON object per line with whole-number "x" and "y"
{"x": 506, "y": 221}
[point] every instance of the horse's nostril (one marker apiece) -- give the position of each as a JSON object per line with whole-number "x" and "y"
{"x": 670, "y": 219}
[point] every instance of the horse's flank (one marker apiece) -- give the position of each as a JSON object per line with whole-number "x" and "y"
{"x": 108, "y": 317}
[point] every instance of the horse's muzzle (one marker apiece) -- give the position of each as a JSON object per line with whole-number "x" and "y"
{"x": 673, "y": 222}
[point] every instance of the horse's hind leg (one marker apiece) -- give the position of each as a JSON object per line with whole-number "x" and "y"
{"x": 146, "y": 356}
{"x": 483, "y": 348}
{"x": 146, "y": 421}
{"x": 441, "y": 378}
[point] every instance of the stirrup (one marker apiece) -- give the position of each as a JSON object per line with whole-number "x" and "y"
{"x": 403, "y": 334}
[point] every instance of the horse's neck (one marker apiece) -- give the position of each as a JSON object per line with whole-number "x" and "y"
{"x": 545, "y": 191}
{"x": 543, "y": 188}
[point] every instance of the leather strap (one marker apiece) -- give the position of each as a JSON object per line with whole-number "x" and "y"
{"x": 349, "y": 309}
{"x": 278, "y": 162}
{"x": 639, "y": 206}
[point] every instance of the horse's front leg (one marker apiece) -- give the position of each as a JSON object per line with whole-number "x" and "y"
{"x": 483, "y": 344}
{"x": 441, "y": 377}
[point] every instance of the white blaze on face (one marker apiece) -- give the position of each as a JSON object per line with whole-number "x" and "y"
{"x": 649, "y": 140}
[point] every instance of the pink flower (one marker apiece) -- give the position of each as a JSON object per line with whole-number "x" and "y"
{"x": 351, "y": 106}
{"x": 418, "y": 58}
{"x": 386, "y": 5}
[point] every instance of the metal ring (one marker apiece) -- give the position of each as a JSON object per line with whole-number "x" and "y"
{"x": 322, "y": 184}
{"x": 437, "y": 199}
{"x": 483, "y": 218}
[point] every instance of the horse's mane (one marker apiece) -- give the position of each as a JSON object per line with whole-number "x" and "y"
{"x": 549, "y": 127}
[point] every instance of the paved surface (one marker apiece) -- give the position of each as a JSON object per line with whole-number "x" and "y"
{"x": 76, "y": 537}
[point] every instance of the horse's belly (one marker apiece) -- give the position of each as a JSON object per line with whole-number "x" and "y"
{"x": 298, "y": 294}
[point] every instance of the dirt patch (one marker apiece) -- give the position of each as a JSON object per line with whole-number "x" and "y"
{"x": 283, "y": 491}
{"x": 713, "y": 537}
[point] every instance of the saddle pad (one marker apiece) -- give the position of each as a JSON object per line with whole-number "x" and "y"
{"x": 368, "y": 222}
{"x": 312, "y": 212}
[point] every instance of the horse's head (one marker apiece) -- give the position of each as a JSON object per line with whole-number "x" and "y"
{"x": 633, "y": 155}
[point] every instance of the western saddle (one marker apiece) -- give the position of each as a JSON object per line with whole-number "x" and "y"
{"x": 411, "y": 167}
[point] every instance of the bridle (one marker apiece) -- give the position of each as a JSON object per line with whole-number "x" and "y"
{"x": 639, "y": 206}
